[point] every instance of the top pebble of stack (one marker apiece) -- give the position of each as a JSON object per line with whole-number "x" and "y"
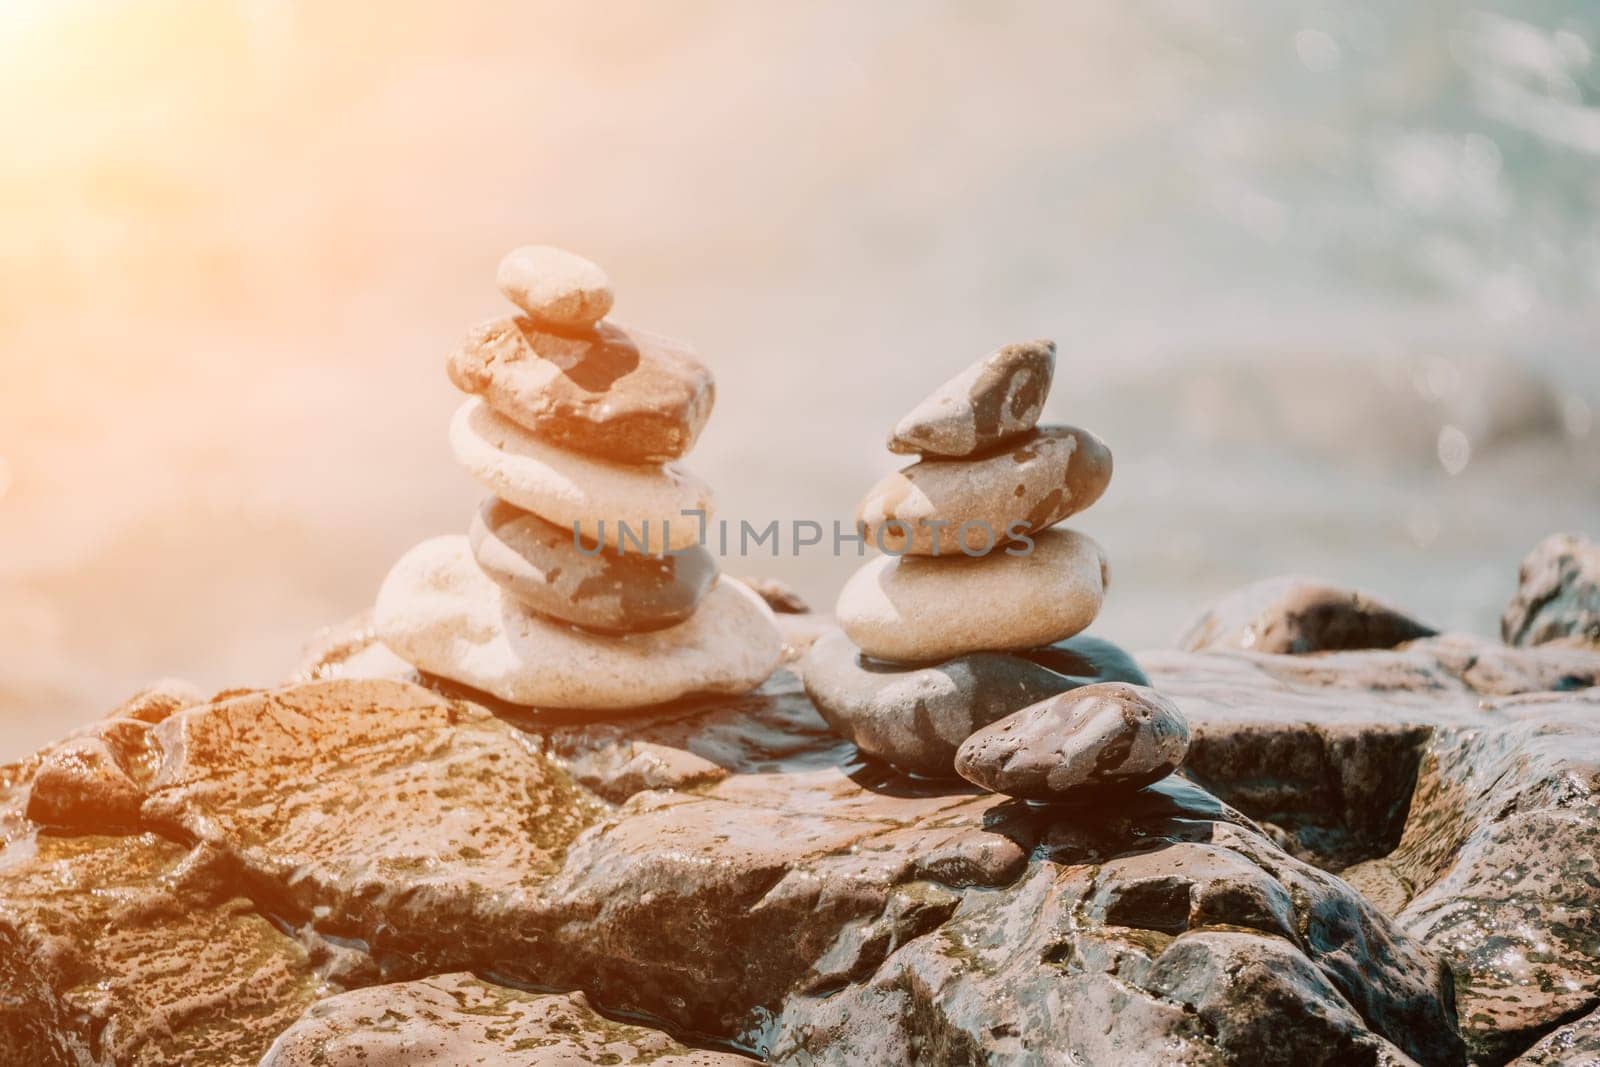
{"x": 555, "y": 286}
{"x": 996, "y": 399}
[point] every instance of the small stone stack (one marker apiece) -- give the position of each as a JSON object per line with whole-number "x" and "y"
{"x": 975, "y": 562}
{"x": 583, "y": 582}
{"x": 971, "y": 614}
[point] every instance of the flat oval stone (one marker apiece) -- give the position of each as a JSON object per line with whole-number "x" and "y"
{"x": 918, "y": 610}
{"x": 1031, "y": 484}
{"x": 1108, "y": 736}
{"x": 555, "y": 286}
{"x": 996, "y": 398}
{"x": 916, "y": 717}
{"x": 599, "y": 589}
{"x": 615, "y": 392}
{"x": 440, "y": 613}
{"x": 564, "y": 487}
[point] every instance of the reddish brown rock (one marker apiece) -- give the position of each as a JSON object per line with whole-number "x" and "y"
{"x": 1558, "y": 595}
{"x": 1300, "y": 615}
{"x": 456, "y": 1019}
{"x": 83, "y": 784}
{"x": 615, "y": 392}
{"x": 858, "y": 915}
{"x": 283, "y": 782}
{"x": 136, "y": 950}
{"x": 158, "y": 700}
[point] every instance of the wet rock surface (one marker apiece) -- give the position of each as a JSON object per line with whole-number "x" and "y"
{"x": 1576, "y": 1043}
{"x": 456, "y": 1019}
{"x": 1558, "y": 595}
{"x": 729, "y": 874}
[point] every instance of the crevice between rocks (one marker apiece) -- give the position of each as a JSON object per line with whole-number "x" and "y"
{"x": 1332, "y": 799}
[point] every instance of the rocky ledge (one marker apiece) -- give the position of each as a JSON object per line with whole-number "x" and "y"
{"x": 1371, "y": 855}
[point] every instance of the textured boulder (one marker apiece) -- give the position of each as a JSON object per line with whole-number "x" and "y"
{"x": 729, "y": 868}
{"x": 138, "y": 950}
{"x": 1299, "y": 615}
{"x": 456, "y": 1019}
{"x": 1576, "y": 1043}
{"x": 1165, "y": 924}
{"x": 1558, "y": 595}
{"x": 1450, "y": 782}
{"x": 1497, "y": 870}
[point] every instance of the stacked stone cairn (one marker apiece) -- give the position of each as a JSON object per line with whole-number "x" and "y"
{"x": 959, "y": 649}
{"x": 583, "y": 582}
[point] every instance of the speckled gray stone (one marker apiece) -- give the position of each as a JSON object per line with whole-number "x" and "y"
{"x": 916, "y": 717}
{"x": 995, "y": 399}
{"x": 598, "y": 589}
{"x": 1089, "y": 740}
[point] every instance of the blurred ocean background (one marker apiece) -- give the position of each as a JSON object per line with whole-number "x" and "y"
{"x": 1323, "y": 275}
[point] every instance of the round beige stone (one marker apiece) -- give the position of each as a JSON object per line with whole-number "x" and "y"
{"x": 1034, "y": 482}
{"x": 918, "y": 610}
{"x": 555, "y": 286}
{"x": 439, "y": 612}
{"x": 565, "y": 487}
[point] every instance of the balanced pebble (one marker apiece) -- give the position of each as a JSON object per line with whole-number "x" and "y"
{"x": 917, "y": 609}
{"x": 996, "y": 398}
{"x": 1100, "y": 737}
{"x": 439, "y": 612}
{"x": 555, "y": 286}
{"x": 544, "y": 568}
{"x": 949, "y": 507}
{"x": 636, "y": 508}
{"x": 613, "y": 391}
{"x": 916, "y": 717}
